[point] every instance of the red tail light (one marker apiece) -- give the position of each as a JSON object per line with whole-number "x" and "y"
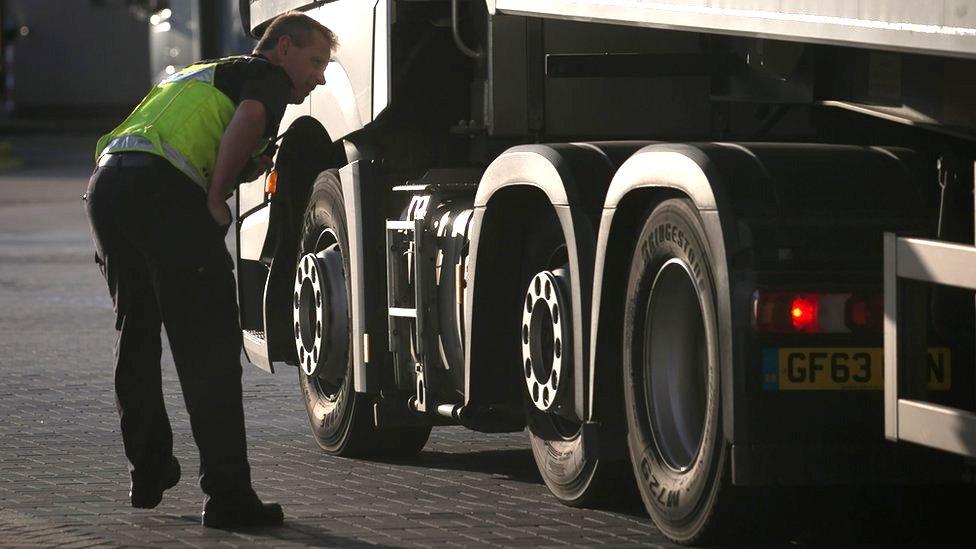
{"x": 805, "y": 312}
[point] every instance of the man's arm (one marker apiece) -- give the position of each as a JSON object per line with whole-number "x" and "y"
{"x": 239, "y": 141}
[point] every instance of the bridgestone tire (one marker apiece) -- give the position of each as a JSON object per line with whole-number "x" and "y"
{"x": 679, "y": 482}
{"x": 341, "y": 419}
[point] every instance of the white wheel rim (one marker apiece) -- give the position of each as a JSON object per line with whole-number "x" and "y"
{"x": 308, "y": 303}
{"x": 545, "y": 339}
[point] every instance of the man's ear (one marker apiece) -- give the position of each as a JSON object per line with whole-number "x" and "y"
{"x": 284, "y": 44}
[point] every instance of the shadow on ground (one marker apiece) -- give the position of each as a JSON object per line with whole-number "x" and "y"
{"x": 516, "y": 465}
{"x": 291, "y": 532}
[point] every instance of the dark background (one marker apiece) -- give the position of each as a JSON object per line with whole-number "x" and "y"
{"x": 76, "y": 60}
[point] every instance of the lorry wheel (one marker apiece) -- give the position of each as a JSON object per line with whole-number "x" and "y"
{"x": 341, "y": 419}
{"x": 671, "y": 376}
{"x": 574, "y": 476}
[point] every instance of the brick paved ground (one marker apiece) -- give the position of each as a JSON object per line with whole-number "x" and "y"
{"x": 62, "y": 472}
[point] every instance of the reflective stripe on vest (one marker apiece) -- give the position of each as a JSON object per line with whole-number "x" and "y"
{"x": 137, "y": 143}
{"x": 182, "y": 119}
{"x": 204, "y": 74}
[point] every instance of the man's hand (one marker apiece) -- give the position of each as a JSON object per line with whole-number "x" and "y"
{"x": 255, "y": 167}
{"x": 264, "y": 163}
{"x": 219, "y": 211}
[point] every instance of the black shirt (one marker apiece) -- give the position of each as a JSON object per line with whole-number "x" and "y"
{"x": 254, "y": 77}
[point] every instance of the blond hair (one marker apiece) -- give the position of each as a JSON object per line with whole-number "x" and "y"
{"x": 299, "y": 27}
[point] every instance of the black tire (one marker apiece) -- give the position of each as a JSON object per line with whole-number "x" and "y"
{"x": 340, "y": 418}
{"x": 670, "y": 347}
{"x": 575, "y": 477}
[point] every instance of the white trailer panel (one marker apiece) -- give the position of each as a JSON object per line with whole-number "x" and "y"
{"x": 939, "y": 27}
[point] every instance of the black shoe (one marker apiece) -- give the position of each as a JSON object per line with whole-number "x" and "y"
{"x": 241, "y": 512}
{"x": 147, "y": 492}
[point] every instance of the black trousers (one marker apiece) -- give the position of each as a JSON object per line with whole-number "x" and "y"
{"x": 165, "y": 262}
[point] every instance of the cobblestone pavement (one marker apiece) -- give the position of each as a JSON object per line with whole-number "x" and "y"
{"x": 62, "y": 472}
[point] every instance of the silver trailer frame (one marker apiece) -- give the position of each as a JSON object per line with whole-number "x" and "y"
{"x": 929, "y": 261}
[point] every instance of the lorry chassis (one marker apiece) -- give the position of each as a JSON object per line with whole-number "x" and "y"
{"x": 484, "y": 256}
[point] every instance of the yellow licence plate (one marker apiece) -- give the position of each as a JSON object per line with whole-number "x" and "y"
{"x": 840, "y": 369}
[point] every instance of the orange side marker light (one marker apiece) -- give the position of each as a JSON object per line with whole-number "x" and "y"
{"x": 271, "y": 185}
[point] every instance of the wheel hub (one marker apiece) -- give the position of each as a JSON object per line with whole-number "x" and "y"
{"x": 676, "y": 383}
{"x": 545, "y": 337}
{"x": 320, "y": 313}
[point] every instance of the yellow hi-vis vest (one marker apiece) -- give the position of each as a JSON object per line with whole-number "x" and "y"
{"x": 182, "y": 120}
